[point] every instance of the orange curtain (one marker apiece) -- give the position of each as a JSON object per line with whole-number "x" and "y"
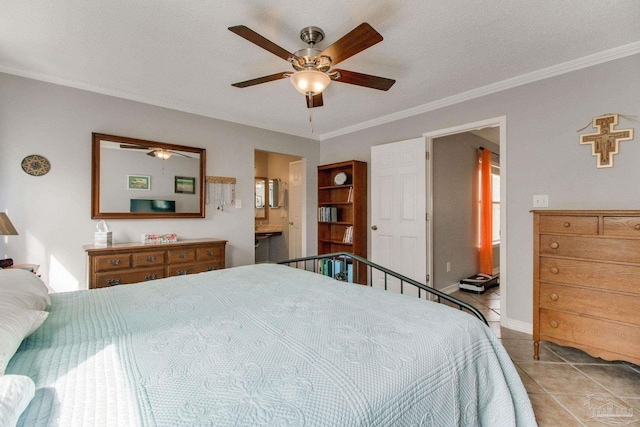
{"x": 486, "y": 211}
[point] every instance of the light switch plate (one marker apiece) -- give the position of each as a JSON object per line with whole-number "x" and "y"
{"x": 238, "y": 204}
{"x": 541, "y": 201}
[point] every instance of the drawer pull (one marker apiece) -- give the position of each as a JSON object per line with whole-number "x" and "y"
{"x": 182, "y": 255}
{"x": 113, "y": 282}
{"x": 149, "y": 277}
{"x": 554, "y": 245}
{"x": 554, "y": 297}
{"x": 211, "y": 268}
{"x": 567, "y": 224}
{"x": 182, "y": 272}
{"x": 637, "y": 227}
{"x": 114, "y": 261}
{"x": 553, "y": 324}
{"x": 150, "y": 258}
{"x": 210, "y": 253}
{"x": 554, "y": 270}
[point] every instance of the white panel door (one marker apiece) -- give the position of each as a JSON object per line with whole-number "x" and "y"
{"x": 398, "y": 212}
{"x": 295, "y": 209}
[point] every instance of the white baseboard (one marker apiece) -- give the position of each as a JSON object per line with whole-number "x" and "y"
{"x": 516, "y": 325}
{"x": 450, "y": 289}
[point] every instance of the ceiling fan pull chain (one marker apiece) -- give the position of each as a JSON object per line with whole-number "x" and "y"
{"x": 310, "y": 109}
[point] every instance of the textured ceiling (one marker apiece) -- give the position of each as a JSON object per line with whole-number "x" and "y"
{"x": 179, "y": 54}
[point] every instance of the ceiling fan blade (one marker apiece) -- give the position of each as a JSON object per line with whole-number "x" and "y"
{"x": 183, "y": 155}
{"x": 257, "y": 39}
{"x": 264, "y": 79}
{"x": 359, "y": 79}
{"x": 359, "y": 39}
{"x": 316, "y": 101}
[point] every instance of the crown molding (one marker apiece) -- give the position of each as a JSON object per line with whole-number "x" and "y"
{"x": 545, "y": 73}
{"x": 157, "y": 102}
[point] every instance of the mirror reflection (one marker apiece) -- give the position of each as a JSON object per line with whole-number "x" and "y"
{"x": 134, "y": 178}
{"x": 274, "y": 193}
{"x": 262, "y": 198}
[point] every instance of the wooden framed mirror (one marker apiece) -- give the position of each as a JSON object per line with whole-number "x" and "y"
{"x": 261, "y": 198}
{"x": 138, "y": 179}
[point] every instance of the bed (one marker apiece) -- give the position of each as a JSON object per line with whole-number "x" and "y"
{"x": 264, "y": 345}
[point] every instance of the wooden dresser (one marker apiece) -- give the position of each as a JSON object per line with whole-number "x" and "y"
{"x": 586, "y": 289}
{"x": 136, "y": 262}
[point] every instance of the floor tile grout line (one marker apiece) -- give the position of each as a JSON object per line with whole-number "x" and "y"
{"x": 604, "y": 387}
{"x": 568, "y": 411}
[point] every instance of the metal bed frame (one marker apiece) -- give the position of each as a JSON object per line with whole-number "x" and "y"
{"x": 357, "y": 260}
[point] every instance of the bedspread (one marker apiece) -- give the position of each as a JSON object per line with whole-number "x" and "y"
{"x": 265, "y": 345}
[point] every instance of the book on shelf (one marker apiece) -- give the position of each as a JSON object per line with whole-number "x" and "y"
{"x": 327, "y": 214}
{"x": 339, "y": 269}
{"x": 350, "y": 195}
{"x": 348, "y": 235}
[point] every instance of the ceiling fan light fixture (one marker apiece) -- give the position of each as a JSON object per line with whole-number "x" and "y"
{"x": 310, "y": 81}
{"x": 162, "y": 154}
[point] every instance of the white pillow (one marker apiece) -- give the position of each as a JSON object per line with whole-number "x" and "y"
{"x": 24, "y": 288}
{"x": 16, "y": 391}
{"x": 16, "y": 324}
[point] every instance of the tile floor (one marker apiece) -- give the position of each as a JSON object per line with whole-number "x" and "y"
{"x": 566, "y": 386}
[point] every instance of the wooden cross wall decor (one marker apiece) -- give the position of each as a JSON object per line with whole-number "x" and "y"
{"x": 605, "y": 142}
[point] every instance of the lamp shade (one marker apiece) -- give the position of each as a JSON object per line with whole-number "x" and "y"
{"x": 310, "y": 81}
{"x": 6, "y": 228}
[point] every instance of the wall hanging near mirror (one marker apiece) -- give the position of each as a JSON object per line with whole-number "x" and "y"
{"x": 36, "y": 165}
{"x": 221, "y": 191}
{"x": 605, "y": 142}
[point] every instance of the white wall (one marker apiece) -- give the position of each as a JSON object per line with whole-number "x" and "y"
{"x": 543, "y": 152}
{"x": 52, "y": 212}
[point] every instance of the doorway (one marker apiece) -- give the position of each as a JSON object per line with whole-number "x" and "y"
{"x": 497, "y": 126}
{"x": 275, "y": 206}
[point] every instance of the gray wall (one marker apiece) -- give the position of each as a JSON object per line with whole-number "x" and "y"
{"x": 454, "y": 160}
{"x": 543, "y": 153}
{"x": 52, "y": 212}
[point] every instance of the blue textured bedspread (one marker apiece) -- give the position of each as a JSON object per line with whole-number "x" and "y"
{"x": 265, "y": 345}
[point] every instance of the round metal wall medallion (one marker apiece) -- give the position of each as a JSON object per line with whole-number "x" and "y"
{"x": 36, "y": 165}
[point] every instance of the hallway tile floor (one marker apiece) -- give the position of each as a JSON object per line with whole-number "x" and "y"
{"x": 567, "y": 387}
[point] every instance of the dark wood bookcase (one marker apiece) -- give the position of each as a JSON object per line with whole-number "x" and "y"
{"x": 347, "y": 206}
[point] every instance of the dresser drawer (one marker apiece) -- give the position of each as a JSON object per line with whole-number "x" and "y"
{"x": 599, "y": 275}
{"x": 148, "y": 259}
{"x": 621, "y": 226}
{"x": 613, "y": 337}
{"x": 568, "y": 224}
{"x": 209, "y": 253}
{"x": 112, "y": 262}
{"x": 103, "y": 280}
{"x": 596, "y": 248}
{"x": 201, "y": 267}
{"x": 175, "y": 256}
{"x": 603, "y": 304}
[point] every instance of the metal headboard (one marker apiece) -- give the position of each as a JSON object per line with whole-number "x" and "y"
{"x": 357, "y": 260}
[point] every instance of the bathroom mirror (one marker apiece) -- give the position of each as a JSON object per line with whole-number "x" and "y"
{"x": 262, "y": 198}
{"x": 137, "y": 179}
{"x": 275, "y": 186}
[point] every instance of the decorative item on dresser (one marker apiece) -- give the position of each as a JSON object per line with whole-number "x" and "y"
{"x": 586, "y": 281}
{"x": 125, "y": 263}
{"x": 342, "y": 211}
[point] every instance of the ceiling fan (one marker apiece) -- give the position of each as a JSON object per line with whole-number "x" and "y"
{"x": 161, "y": 153}
{"x": 312, "y": 74}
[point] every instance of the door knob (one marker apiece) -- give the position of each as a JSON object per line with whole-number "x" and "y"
{"x": 374, "y": 227}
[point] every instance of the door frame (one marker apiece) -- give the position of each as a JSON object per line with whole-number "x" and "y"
{"x": 500, "y": 121}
